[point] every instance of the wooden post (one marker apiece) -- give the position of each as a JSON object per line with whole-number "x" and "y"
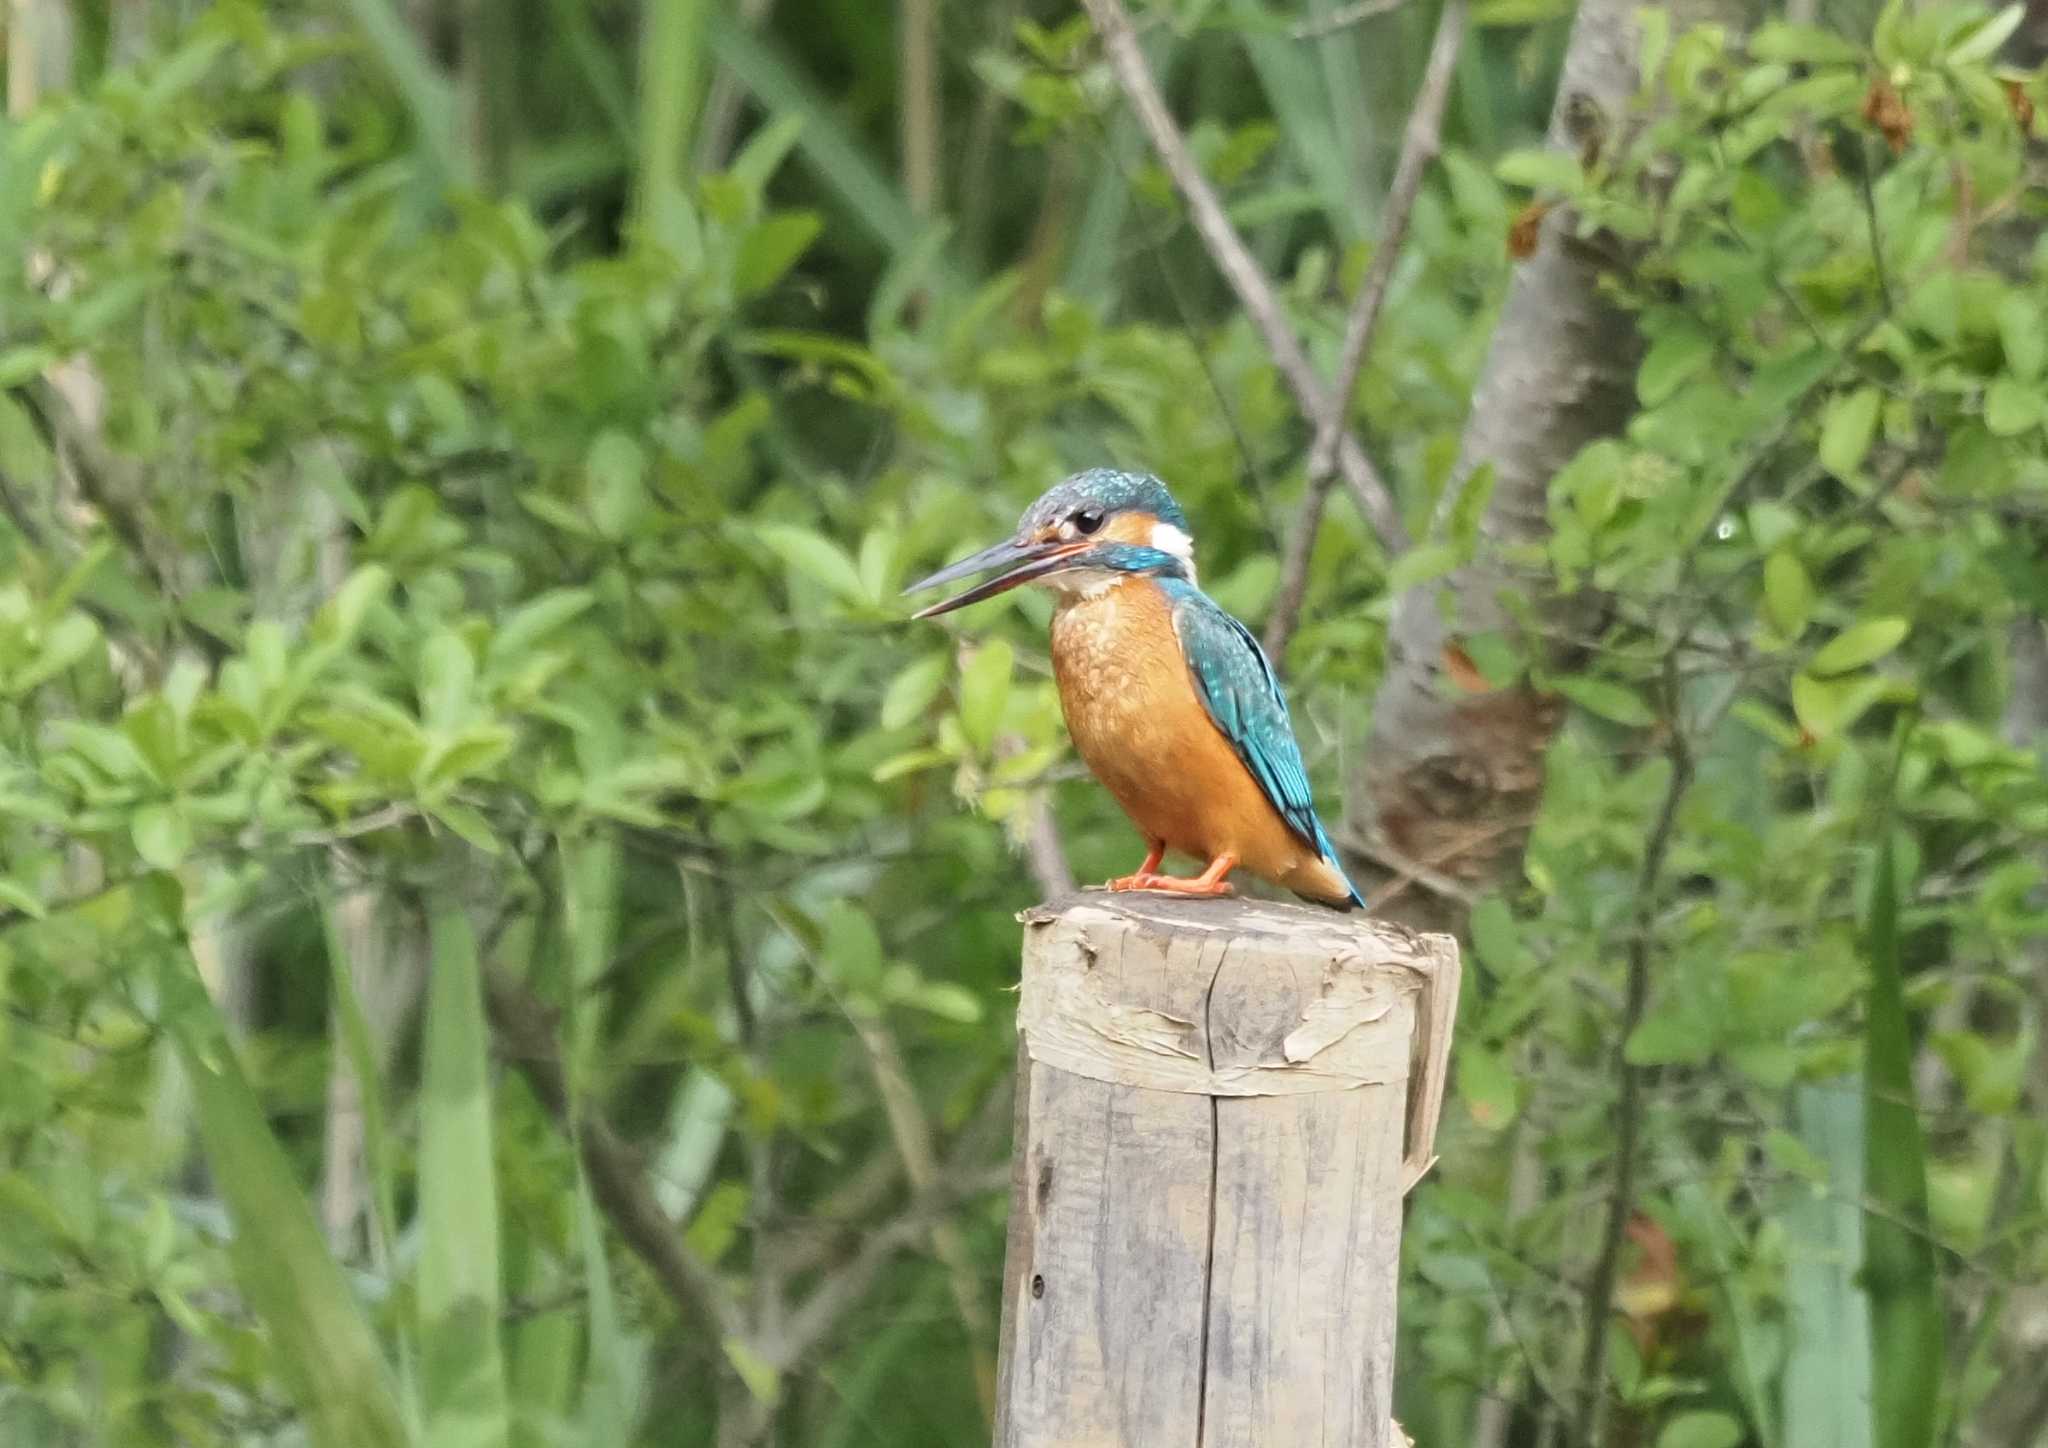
{"x": 1217, "y": 1118}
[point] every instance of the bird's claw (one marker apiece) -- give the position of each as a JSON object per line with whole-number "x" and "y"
{"x": 1171, "y": 885}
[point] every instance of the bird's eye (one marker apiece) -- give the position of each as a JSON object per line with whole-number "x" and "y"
{"x": 1088, "y": 520}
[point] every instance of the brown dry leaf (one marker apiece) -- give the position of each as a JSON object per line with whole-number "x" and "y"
{"x": 1884, "y": 109}
{"x": 1526, "y": 228}
{"x": 2022, "y": 104}
{"x": 1654, "y": 1288}
{"x": 1463, "y": 671}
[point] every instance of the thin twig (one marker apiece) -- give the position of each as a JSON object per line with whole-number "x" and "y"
{"x": 1419, "y": 146}
{"x": 1420, "y": 143}
{"x": 917, "y": 25}
{"x": 1044, "y": 855}
{"x": 1589, "y": 1412}
{"x": 1301, "y": 546}
{"x": 1043, "y": 851}
{"x": 1884, "y": 282}
{"x": 830, "y": 1300}
{"x": 1227, "y": 249}
{"x": 1350, "y": 15}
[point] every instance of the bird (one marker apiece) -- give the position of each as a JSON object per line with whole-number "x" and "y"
{"x": 1169, "y": 700}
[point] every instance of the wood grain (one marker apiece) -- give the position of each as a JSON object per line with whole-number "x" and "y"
{"x": 1206, "y": 1199}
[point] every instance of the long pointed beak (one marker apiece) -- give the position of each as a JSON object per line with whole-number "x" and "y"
{"x": 1020, "y": 561}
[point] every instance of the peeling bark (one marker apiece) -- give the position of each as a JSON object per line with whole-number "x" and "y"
{"x": 1454, "y": 775}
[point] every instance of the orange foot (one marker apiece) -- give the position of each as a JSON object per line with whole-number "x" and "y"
{"x": 1144, "y": 875}
{"x": 1209, "y": 882}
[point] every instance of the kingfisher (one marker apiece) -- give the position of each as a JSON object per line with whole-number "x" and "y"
{"x": 1170, "y": 701}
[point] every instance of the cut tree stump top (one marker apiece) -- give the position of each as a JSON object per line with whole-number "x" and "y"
{"x": 1238, "y": 997}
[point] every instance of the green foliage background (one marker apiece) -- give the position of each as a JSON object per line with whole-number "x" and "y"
{"x": 471, "y": 811}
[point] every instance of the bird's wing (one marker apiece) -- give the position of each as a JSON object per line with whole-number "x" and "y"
{"x": 1244, "y": 699}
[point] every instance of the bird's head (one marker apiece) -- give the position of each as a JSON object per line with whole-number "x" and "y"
{"x": 1083, "y": 533}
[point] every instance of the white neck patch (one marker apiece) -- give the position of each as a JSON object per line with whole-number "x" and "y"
{"x": 1169, "y": 539}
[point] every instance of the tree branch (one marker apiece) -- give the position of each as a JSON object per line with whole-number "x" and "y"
{"x": 1589, "y": 1411}
{"x": 1419, "y": 145}
{"x": 1444, "y": 758}
{"x": 1227, "y": 249}
{"x": 617, "y": 1179}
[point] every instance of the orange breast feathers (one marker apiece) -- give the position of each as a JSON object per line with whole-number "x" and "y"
{"x": 1139, "y": 725}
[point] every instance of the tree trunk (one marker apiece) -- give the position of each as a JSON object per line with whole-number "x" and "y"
{"x": 1454, "y": 774}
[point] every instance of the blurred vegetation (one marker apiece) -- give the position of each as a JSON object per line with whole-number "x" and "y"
{"x": 505, "y": 936}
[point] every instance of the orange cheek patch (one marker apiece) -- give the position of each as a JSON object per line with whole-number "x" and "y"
{"x": 1129, "y": 528}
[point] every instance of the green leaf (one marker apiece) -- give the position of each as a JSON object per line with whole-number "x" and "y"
{"x": 1669, "y": 1037}
{"x": 1788, "y": 595}
{"x": 1541, "y": 169}
{"x": 1982, "y": 41}
{"x": 426, "y": 90}
{"x": 817, "y": 558}
{"x": 24, "y": 364}
{"x": 472, "y": 752}
{"x": 1701, "y": 1218}
{"x": 1826, "y": 707}
{"x": 1496, "y": 939}
{"x": 608, "y": 1398}
{"x": 911, "y": 692}
{"x": 1486, "y": 1086}
{"x": 592, "y": 868}
{"x": 110, "y": 751}
{"x": 1422, "y": 564}
{"x": 851, "y": 949}
{"x": 771, "y": 249}
{"x": 534, "y": 620}
{"x": 1674, "y": 359}
{"x": 467, "y": 824}
{"x": 1700, "y": 1430}
{"x": 341, "y": 616}
{"x": 2023, "y": 334}
{"x": 447, "y": 676}
{"x": 756, "y": 162}
{"x": 911, "y": 761}
{"x": 832, "y": 151}
{"x": 462, "y": 1369}
{"x": 1801, "y": 44}
{"x": 2012, "y": 407}
{"x": 717, "y": 1223}
{"x": 1846, "y": 430}
{"x": 322, "y": 1345}
{"x": 1899, "y": 1274}
{"x": 985, "y": 691}
{"x": 1494, "y": 13}
{"x": 18, "y": 897}
{"x": 615, "y": 474}
{"x": 1606, "y": 698}
{"x": 762, "y": 1378}
{"x": 1827, "y": 1362}
{"x": 68, "y": 641}
{"x": 945, "y": 999}
{"x": 347, "y": 923}
{"x": 162, "y": 835}
{"x": 1863, "y": 644}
